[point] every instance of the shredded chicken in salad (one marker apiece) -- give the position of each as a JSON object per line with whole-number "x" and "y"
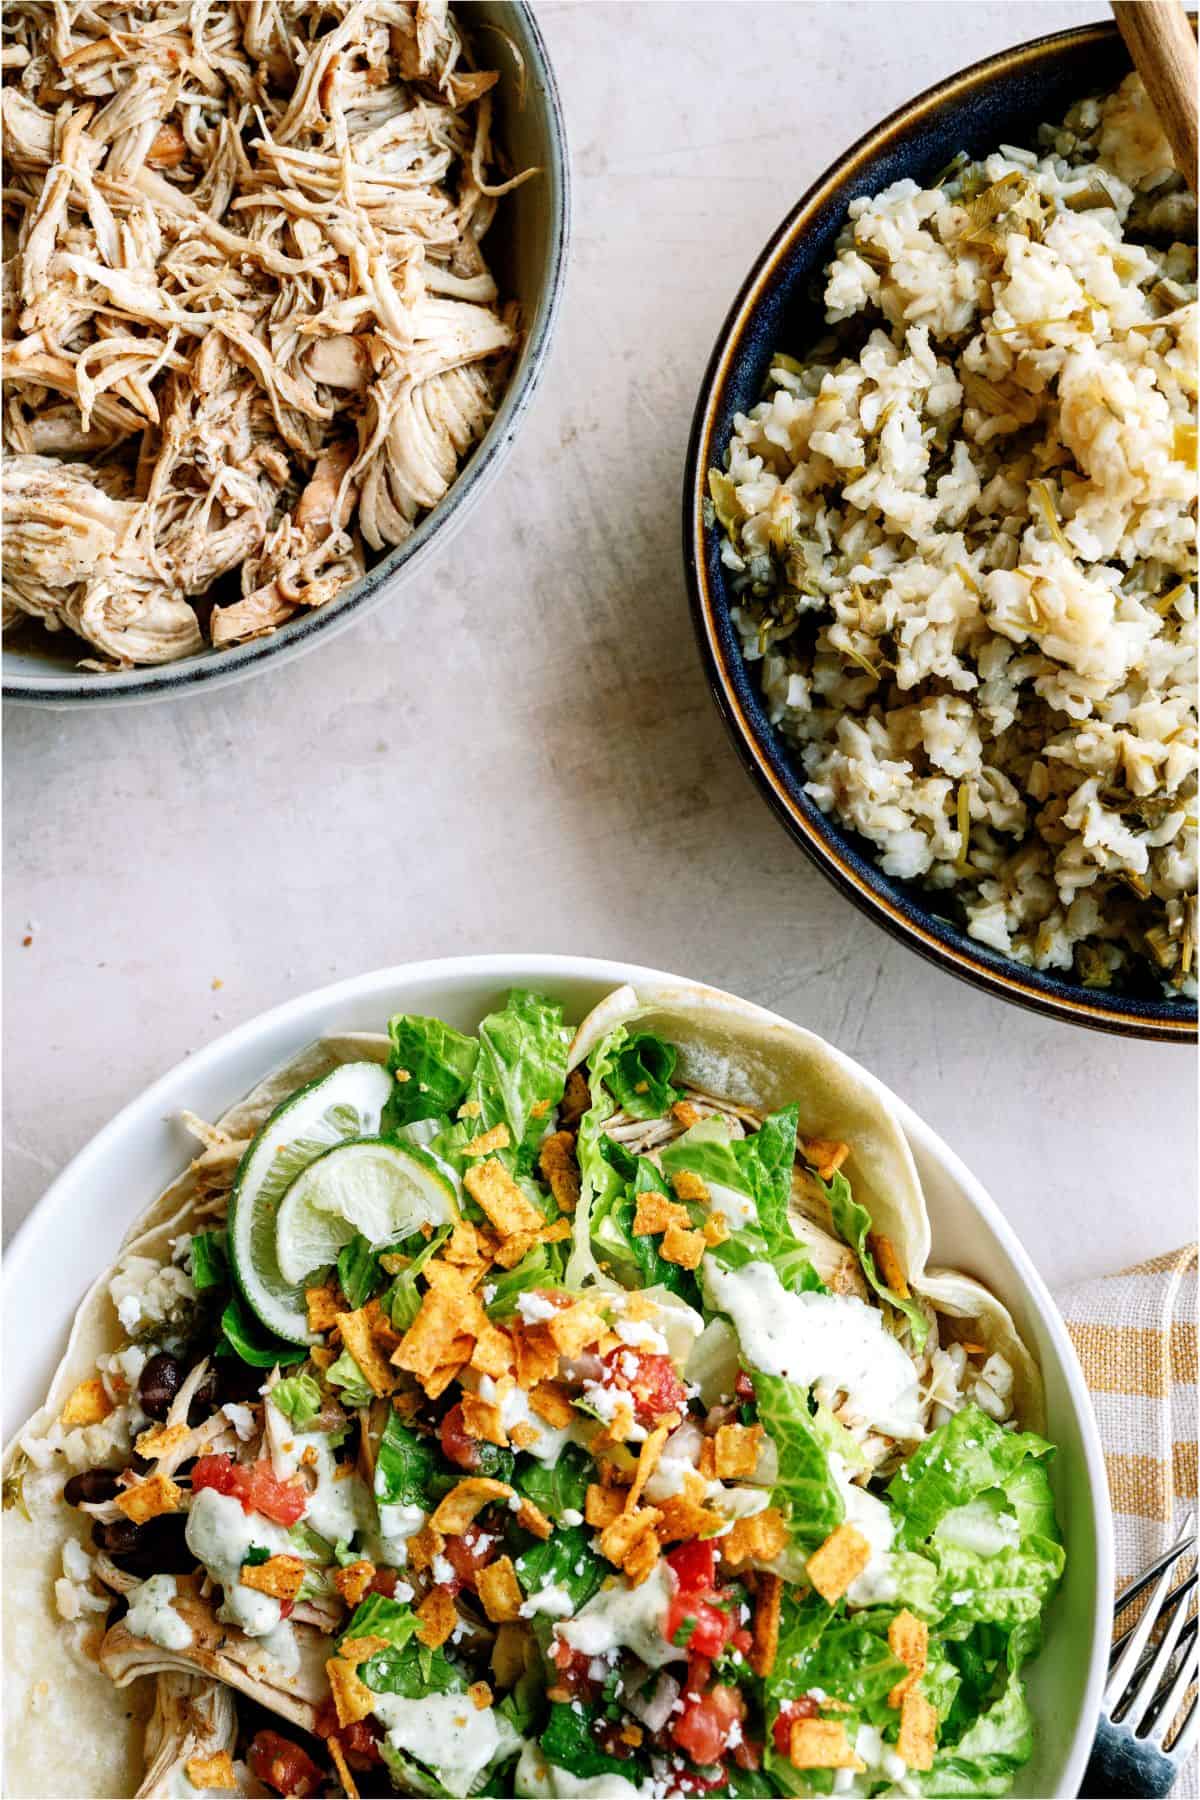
{"x": 249, "y": 330}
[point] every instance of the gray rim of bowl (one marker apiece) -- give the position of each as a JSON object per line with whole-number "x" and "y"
{"x": 222, "y": 668}
{"x": 1141, "y": 1018}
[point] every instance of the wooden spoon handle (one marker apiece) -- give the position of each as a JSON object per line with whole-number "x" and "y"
{"x": 1162, "y": 44}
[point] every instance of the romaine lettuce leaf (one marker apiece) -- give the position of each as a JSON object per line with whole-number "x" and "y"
{"x": 522, "y": 1064}
{"x": 805, "y": 1489}
{"x": 638, "y": 1260}
{"x": 558, "y": 1487}
{"x": 568, "y": 1742}
{"x": 599, "y": 1181}
{"x": 758, "y": 1166}
{"x": 377, "y": 1616}
{"x": 1010, "y": 1588}
{"x": 852, "y": 1223}
{"x": 210, "y": 1261}
{"x": 346, "y": 1375}
{"x": 405, "y": 1464}
{"x": 961, "y": 1459}
{"x": 438, "y": 1062}
{"x": 359, "y": 1272}
{"x": 565, "y": 1560}
{"x": 639, "y": 1077}
{"x": 298, "y": 1398}
{"x": 989, "y": 1752}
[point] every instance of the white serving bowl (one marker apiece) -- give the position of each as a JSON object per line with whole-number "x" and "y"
{"x": 73, "y": 1234}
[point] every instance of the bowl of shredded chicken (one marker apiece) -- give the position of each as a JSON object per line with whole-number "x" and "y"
{"x": 954, "y": 540}
{"x": 279, "y": 280}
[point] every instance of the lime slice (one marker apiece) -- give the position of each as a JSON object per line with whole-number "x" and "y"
{"x": 371, "y": 1186}
{"x": 346, "y": 1103}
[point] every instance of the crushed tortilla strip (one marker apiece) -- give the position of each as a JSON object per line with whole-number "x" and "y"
{"x": 508, "y": 1652}
{"x": 621, "y": 1537}
{"x": 715, "y": 1229}
{"x": 706, "y": 1462}
{"x": 736, "y": 1450}
{"x": 495, "y": 1139}
{"x": 821, "y": 1744}
{"x": 322, "y": 1356}
{"x": 383, "y": 1332}
{"x": 87, "y": 1404}
{"x": 423, "y": 1546}
{"x": 470, "y": 1109}
{"x": 353, "y": 1581}
{"x": 493, "y": 1352}
{"x": 323, "y": 1307}
{"x": 150, "y": 1498}
{"x": 358, "y": 1650}
{"x": 480, "y": 1694}
{"x": 838, "y": 1561}
{"x": 438, "y": 1616}
{"x": 493, "y": 1190}
{"x": 458, "y": 1508}
{"x": 689, "y": 1186}
{"x": 551, "y": 1401}
{"x": 556, "y": 1160}
{"x": 539, "y": 1109}
{"x": 358, "y": 1335}
{"x": 648, "y": 1456}
{"x": 685, "y": 1114}
{"x": 162, "y": 1438}
{"x": 534, "y": 1520}
{"x": 824, "y": 1155}
{"x": 640, "y": 1563}
{"x": 917, "y": 1739}
{"x": 352, "y": 1698}
{"x": 686, "y": 1248}
{"x": 602, "y": 1505}
{"x": 768, "y": 1602}
{"x": 888, "y": 1263}
{"x": 639, "y": 1307}
{"x": 436, "y": 1384}
{"x": 631, "y": 1735}
{"x": 214, "y": 1771}
{"x": 535, "y": 1354}
{"x": 576, "y": 1100}
{"x": 908, "y": 1640}
{"x": 759, "y": 1538}
{"x": 280, "y": 1576}
{"x": 619, "y": 1430}
{"x": 338, "y": 1758}
{"x": 466, "y": 1245}
{"x": 426, "y": 1345}
{"x": 574, "y": 1328}
{"x": 655, "y": 1214}
{"x": 499, "y": 1591}
{"x": 525, "y": 1434}
{"x": 684, "y": 1516}
{"x": 482, "y": 1420}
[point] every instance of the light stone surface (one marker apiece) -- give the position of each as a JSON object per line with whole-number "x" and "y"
{"x": 519, "y": 751}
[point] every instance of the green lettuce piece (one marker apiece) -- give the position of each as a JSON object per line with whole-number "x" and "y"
{"x": 558, "y": 1487}
{"x": 639, "y": 1077}
{"x": 568, "y": 1743}
{"x": 409, "y": 1776}
{"x": 852, "y": 1223}
{"x": 298, "y": 1398}
{"x": 990, "y": 1750}
{"x": 522, "y": 1064}
{"x": 638, "y": 1261}
{"x": 599, "y": 1182}
{"x": 243, "y": 1335}
{"x": 759, "y": 1166}
{"x": 402, "y": 1302}
{"x": 1011, "y": 1588}
{"x": 538, "y": 1268}
{"x": 565, "y": 1560}
{"x": 358, "y": 1271}
{"x": 439, "y": 1062}
{"x": 405, "y": 1465}
{"x": 805, "y": 1490}
{"x": 345, "y": 1374}
{"x": 787, "y": 1256}
{"x": 963, "y": 1458}
{"x": 210, "y": 1261}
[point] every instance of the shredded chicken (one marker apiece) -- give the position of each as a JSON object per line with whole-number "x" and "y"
{"x": 192, "y": 1716}
{"x": 249, "y": 331}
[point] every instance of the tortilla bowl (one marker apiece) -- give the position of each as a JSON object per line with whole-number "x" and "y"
{"x": 143, "y": 1151}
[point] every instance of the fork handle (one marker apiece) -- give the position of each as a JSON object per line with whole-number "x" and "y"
{"x": 1121, "y": 1768}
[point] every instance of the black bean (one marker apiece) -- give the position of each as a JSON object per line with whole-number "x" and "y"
{"x": 158, "y": 1384}
{"x": 158, "y": 1547}
{"x": 204, "y": 1399}
{"x": 116, "y": 1538}
{"x": 238, "y": 1381}
{"x": 94, "y": 1486}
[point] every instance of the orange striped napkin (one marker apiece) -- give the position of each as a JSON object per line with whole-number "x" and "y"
{"x": 1135, "y": 1334}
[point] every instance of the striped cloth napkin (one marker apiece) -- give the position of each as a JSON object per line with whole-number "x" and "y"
{"x": 1135, "y": 1335}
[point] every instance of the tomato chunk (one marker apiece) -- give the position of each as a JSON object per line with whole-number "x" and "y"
{"x": 697, "y": 1626}
{"x": 804, "y": 1708}
{"x": 694, "y": 1565}
{"x": 704, "y": 1726}
{"x": 255, "y": 1485}
{"x": 651, "y": 1382}
{"x": 457, "y": 1447}
{"x": 467, "y": 1554}
{"x": 283, "y": 1765}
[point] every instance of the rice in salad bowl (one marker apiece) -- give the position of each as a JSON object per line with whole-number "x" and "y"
{"x": 959, "y": 534}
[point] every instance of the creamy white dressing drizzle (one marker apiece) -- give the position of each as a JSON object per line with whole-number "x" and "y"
{"x": 151, "y": 1614}
{"x": 447, "y": 1732}
{"x": 621, "y": 1616}
{"x": 220, "y": 1535}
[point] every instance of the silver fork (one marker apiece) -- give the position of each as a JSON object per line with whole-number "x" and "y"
{"x": 1146, "y": 1686}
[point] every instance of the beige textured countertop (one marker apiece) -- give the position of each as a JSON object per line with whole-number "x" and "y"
{"x": 520, "y": 751}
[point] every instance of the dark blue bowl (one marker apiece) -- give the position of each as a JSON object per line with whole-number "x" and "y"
{"x": 1001, "y": 100}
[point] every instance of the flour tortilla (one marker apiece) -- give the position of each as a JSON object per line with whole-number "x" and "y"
{"x": 68, "y": 1729}
{"x": 738, "y": 1052}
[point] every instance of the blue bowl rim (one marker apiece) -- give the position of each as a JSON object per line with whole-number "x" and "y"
{"x": 758, "y": 746}
{"x": 211, "y": 668}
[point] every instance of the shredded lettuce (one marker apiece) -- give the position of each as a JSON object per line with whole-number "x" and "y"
{"x": 298, "y": 1398}
{"x": 346, "y": 1375}
{"x": 963, "y": 1458}
{"x": 405, "y": 1465}
{"x": 359, "y": 1272}
{"x": 568, "y": 1743}
{"x": 852, "y": 1223}
{"x": 433, "y": 1064}
{"x": 639, "y": 1077}
{"x": 805, "y": 1490}
{"x": 600, "y": 1182}
{"x": 560, "y": 1486}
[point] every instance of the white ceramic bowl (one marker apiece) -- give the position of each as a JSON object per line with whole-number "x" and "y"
{"x": 74, "y": 1231}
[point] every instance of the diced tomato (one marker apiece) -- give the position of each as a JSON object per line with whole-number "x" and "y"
{"x": 699, "y": 1674}
{"x": 360, "y": 1744}
{"x": 457, "y": 1447}
{"x": 702, "y": 1729}
{"x": 255, "y": 1485}
{"x": 384, "y": 1582}
{"x": 710, "y": 1628}
{"x": 748, "y": 1754}
{"x": 804, "y": 1708}
{"x": 741, "y": 1640}
{"x": 572, "y": 1666}
{"x": 283, "y": 1765}
{"x": 695, "y": 1566}
{"x": 286, "y": 1608}
{"x": 743, "y": 1388}
{"x": 651, "y": 1381}
{"x": 467, "y": 1554}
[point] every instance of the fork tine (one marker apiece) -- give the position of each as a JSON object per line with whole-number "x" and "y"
{"x": 1139, "y": 1637}
{"x": 1188, "y": 1669}
{"x": 1172, "y": 1600}
{"x": 1130, "y": 1594}
{"x": 1145, "y": 1686}
{"x": 1189, "y": 1731}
